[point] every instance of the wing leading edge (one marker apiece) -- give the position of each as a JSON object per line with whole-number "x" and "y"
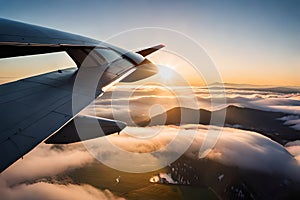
{"x": 35, "y": 108}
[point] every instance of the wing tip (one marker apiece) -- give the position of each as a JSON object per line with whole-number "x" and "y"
{"x": 150, "y": 50}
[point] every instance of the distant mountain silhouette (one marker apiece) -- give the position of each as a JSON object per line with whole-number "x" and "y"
{"x": 266, "y": 88}
{"x": 236, "y": 85}
{"x": 264, "y": 122}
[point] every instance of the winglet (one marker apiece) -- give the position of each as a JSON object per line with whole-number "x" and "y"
{"x": 146, "y": 52}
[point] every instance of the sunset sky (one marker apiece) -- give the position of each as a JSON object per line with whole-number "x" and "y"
{"x": 256, "y": 42}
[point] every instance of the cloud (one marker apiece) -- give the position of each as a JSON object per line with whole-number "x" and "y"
{"x": 48, "y": 191}
{"x": 251, "y": 150}
{"x": 291, "y": 120}
{"x": 45, "y": 160}
{"x": 25, "y": 179}
{"x": 294, "y": 149}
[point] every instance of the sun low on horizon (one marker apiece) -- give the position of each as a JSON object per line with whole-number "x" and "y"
{"x": 174, "y": 69}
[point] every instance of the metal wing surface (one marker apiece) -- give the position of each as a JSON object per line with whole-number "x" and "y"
{"x": 44, "y": 106}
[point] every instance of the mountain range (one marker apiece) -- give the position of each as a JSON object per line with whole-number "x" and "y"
{"x": 264, "y": 122}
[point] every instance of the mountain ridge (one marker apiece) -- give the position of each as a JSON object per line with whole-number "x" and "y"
{"x": 265, "y": 122}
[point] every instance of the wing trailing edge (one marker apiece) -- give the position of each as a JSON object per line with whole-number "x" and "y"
{"x": 90, "y": 127}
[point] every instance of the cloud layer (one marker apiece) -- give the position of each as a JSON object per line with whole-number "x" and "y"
{"x": 137, "y": 103}
{"x": 142, "y": 148}
{"x": 234, "y": 147}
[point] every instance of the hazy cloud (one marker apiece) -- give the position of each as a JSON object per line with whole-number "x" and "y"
{"x": 44, "y": 161}
{"x": 24, "y": 179}
{"x": 122, "y": 100}
{"x": 291, "y": 120}
{"x": 294, "y": 149}
{"x": 48, "y": 191}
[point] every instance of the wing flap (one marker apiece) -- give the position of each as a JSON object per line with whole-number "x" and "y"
{"x": 89, "y": 127}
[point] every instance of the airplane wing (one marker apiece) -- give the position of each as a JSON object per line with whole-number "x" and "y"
{"x": 44, "y": 107}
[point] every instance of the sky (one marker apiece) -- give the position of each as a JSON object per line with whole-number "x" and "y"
{"x": 254, "y": 42}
